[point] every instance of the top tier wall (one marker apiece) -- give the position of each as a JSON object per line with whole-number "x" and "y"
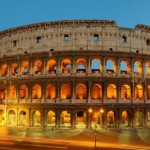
{"x": 99, "y": 35}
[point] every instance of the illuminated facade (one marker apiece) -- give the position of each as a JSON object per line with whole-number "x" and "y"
{"x": 52, "y": 73}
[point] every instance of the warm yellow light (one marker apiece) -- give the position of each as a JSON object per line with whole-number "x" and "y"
{"x": 90, "y": 110}
{"x": 101, "y": 110}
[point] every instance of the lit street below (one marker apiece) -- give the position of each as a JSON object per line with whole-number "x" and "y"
{"x": 22, "y": 138}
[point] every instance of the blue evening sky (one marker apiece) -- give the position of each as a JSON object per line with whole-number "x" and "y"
{"x": 127, "y": 13}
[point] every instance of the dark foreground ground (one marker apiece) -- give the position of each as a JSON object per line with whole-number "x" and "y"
{"x": 73, "y": 139}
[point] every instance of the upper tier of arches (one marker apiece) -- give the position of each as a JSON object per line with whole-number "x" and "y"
{"x": 97, "y": 65}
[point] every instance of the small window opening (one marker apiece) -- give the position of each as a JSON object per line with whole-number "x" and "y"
{"x": 124, "y": 39}
{"x": 52, "y": 50}
{"x": 137, "y": 51}
{"x": 25, "y": 52}
{"x": 39, "y": 39}
{"x": 110, "y": 49}
{"x": 14, "y": 43}
{"x": 66, "y": 37}
{"x": 148, "y": 42}
{"x": 96, "y": 37}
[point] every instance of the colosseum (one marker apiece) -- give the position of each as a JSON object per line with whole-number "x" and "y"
{"x": 75, "y": 74}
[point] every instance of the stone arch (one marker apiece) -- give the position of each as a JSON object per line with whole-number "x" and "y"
{"x": 137, "y": 67}
{"x": 3, "y": 70}
{"x": 139, "y": 118}
{"x": 12, "y": 92}
{"x": 51, "y": 91}
{"x": 81, "y": 65}
{"x": 96, "y": 91}
{"x": 111, "y": 91}
{"x": 14, "y": 69}
{"x": 81, "y": 91}
{"x": 65, "y": 91}
{"x": 147, "y": 68}
{"x": 81, "y": 119}
{"x": 111, "y": 66}
{"x": 125, "y": 119}
{"x": 51, "y": 66}
{"x": 65, "y": 120}
{"x": 111, "y": 119}
{"x": 37, "y": 118}
{"x": 1, "y": 117}
{"x": 25, "y": 67}
{"x": 96, "y": 65}
{"x": 36, "y": 91}
{"x": 125, "y": 92}
{"x": 24, "y": 92}
{"x": 125, "y": 67}
{"x": 11, "y": 117}
{"x": 66, "y": 66}
{"x": 37, "y": 67}
{"x": 138, "y": 94}
{"x": 2, "y": 93}
{"x": 22, "y": 118}
{"x": 51, "y": 118}
{"x": 148, "y": 92}
{"x": 148, "y": 119}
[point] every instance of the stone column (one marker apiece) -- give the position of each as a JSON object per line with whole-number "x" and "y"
{"x": 58, "y": 92}
{"x": 73, "y": 66}
{"x": 31, "y": 67}
{"x": 30, "y": 118}
{"x": 118, "y": 67}
{"x": 58, "y": 66}
{"x": 43, "y": 93}
{"x": 73, "y": 92}
{"x": 89, "y": 69}
{"x": 89, "y": 92}
{"x": 57, "y": 123}
{"x": 73, "y": 119}
{"x": 44, "y": 67}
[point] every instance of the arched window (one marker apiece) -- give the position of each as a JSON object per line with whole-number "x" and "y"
{"x": 124, "y": 39}
{"x": 96, "y": 66}
{"x": 96, "y": 91}
{"x": 24, "y": 67}
{"x": 12, "y": 92}
{"x": 66, "y": 66}
{"x": 110, "y": 119}
{"x": 147, "y": 68}
{"x": 24, "y": 92}
{"x": 81, "y": 65}
{"x": 111, "y": 66}
{"x": 36, "y": 92}
{"x": 14, "y": 69}
{"x": 81, "y": 92}
{"x": 51, "y": 66}
{"x": 138, "y": 92}
{"x": 51, "y": 91}
{"x": 37, "y": 67}
{"x": 137, "y": 67}
{"x": 2, "y": 93}
{"x": 148, "y": 92}
{"x": 3, "y": 70}
{"x": 111, "y": 91}
{"x": 65, "y": 91}
{"x": 125, "y": 67}
{"x": 125, "y": 92}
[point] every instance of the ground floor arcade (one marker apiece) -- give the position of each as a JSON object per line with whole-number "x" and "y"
{"x": 75, "y": 117}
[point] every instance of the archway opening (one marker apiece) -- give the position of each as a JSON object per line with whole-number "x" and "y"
{"x": 80, "y": 119}
{"x": 139, "y": 119}
{"x": 65, "y": 119}
{"x": 111, "y": 91}
{"x": 110, "y": 119}
{"x": 81, "y": 92}
{"x": 11, "y": 118}
{"x": 125, "y": 92}
{"x": 51, "y": 119}
{"x": 125, "y": 119}
{"x": 96, "y": 91}
{"x": 37, "y": 118}
{"x": 22, "y": 118}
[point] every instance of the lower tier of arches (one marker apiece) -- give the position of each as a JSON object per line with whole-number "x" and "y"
{"x": 75, "y": 116}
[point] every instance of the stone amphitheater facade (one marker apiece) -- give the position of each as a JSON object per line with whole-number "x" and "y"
{"x": 63, "y": 74}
